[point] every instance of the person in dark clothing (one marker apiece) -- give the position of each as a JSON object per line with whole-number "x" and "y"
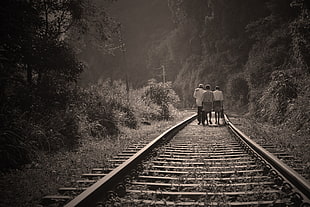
{"x": 207, "y": 104}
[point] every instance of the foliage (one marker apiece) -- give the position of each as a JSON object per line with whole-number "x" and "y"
{"x": 280, "y": 45}
{"x": 39, "y": 70}
{"x": 238, "y": 89}
{"x": 298, "y": 112}
{"x": 162, "y": 95}
{"x": 104, "y": 107}
{"x": 144, "y": 111}
{"x": 13, "y": 151}
{"x": 299, "y": 30}
{"x": 281, "y": 91}
{"x": 95, "y": 28}
{"x": 23, "y": 134}
{"x": 209, "y": 44}
{"x": 249, "y": 48}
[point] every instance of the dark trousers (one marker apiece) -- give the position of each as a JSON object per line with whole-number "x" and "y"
{"x": 199, "y": 114}
{"x": 205, "y": 116}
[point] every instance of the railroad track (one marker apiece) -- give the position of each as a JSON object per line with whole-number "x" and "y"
{"x": 191, "y": 165}
{"x": 280, "y": 152}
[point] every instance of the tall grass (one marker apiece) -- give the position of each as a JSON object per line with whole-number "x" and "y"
{"x": 99, "y": 111}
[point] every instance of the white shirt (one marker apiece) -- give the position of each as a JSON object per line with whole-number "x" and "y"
{"x": 198, "y": 95}
{"x": 218, "y": 95}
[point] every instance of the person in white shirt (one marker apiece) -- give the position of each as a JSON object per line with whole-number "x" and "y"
{"x": 198, "y": 93}
{"x": 218, "y": 104}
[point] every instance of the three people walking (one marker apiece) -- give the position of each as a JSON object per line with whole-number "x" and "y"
{"x": 206, "y": 101}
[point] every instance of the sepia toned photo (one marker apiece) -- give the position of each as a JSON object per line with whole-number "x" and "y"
{"x": 133, "y": 103}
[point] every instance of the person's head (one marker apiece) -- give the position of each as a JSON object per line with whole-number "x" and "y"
{"x": 200, "y": 86}
{"x": 217, "y": 88}
{"x": 208, "y": 87}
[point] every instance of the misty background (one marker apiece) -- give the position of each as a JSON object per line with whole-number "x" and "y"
{"x": 143, "y": 25}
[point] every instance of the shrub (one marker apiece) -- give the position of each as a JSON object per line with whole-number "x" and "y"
{"x": 98, "y": 111}
{"x": 144, "y": 110}
{"x": 162, "y": 95}
{"x": 281, "y": 91}
{"x": 52, "y": 132}
{"x": 13, "y": 150}
{"x": 30, "y": 123}
{"x": 298, "y": 111}
{"x": 103, "y": 107}
{"x": 237, "y": 93}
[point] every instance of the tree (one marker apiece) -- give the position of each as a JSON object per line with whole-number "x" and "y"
{"x": 39, "y": 71}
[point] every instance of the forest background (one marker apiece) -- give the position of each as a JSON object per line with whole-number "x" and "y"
{"x": 69, "y": 69}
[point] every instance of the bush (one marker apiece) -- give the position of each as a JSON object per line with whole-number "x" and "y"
{"x": 281, "y": 91}
{"x": 104, "y": 107}
{"x": 162, "y": 95}
{"x": 298, "y": 111}
{"x": 13, "y": 150}
{"x": 237, "y": 93}
{"x": 144, "y": 110}
{"x": 97, "y": 111}
{"x": 30, "y": 123}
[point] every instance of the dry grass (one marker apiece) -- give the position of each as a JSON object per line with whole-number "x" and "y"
{"x": 26, "y": 186}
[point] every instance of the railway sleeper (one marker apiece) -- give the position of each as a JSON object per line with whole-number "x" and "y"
{"x": 203, "y": 159}
{"x": 93, "y": 175}
{"x": 71, "y": 189}
{"x": 229, "y": 196}
{"x": 209, "y": 164}
{"x": 230, "y": 173}
{"x": 135, "y": 202}
{"x": 104, "y": 170}
{"x": 207, "y": 156}
{"x": 210, "y": 153}
{"x": 206, "y": 148}
{"x": 211, "y": 168}
{"x": 203, "y": 186}
{"x": 53, "y": 199}
{"x": 146, "y": 178}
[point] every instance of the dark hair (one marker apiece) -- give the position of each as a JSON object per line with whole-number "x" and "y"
{"x": 217, "y": 88}
{"x": 208, "y": 86}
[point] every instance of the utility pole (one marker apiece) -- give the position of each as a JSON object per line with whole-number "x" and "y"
{"x": 164, "y": 74}
{"x": 162, "y": 67}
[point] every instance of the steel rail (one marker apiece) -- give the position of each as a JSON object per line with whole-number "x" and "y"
{"x": 95, "y": 193}
{"x": 298, "y": 182}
